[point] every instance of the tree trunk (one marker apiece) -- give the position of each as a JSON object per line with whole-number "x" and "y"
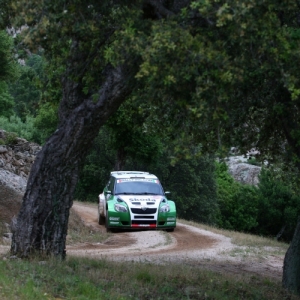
{"x": 291, "y": 266}
{"x": 43, "y": 219}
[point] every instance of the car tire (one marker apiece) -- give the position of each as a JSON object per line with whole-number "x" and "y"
{"x": 106, "y": 224}
{"x": 101, "y": 220}
{"x": 170, "y": 229}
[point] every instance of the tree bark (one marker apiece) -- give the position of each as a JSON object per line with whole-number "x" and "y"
{"x": 43, "y": 218}
{"x": 291, "y": 266}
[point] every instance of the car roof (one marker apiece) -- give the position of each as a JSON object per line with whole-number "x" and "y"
{"x": 132, "y": 174}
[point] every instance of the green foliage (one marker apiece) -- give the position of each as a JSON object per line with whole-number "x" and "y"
{"x": 271, "y": 209}
{"x": 8, "y": 65}
{"x": 97, "y": 167}
{"x": 130, "y": 136}
{"x": 20, "y": 101}
{"x": 253, "y": 161}
{"x": 8, "y": 72}
{"x": 6, "y": 101}
{"x": 14, "y": 124}
{"x": 238, "y": 203}
{"x": 193, "y": 188}
{"x": 26, "y": 90}
{"x": 214, "y": 67}
{"x": 45, "y": 122}
{"x": 73, "y": 36}
{"x": 279, "y": 206}
{"x": 36, "y": 129}
{"x": 5, "y": 14}
{"x": 218, "y": 66}
{"x": 11, "y": 138}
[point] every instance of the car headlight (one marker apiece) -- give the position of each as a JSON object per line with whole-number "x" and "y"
{"x": 164, "y": 208}
{"x": 120, "y": 208}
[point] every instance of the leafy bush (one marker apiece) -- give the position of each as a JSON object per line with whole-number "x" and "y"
{"x": 193, "y": 188}
{"x": 46, "y": 121}
{"x": 279, "y": 206}
{"x": 95, "y": 173}
{"x": 11, "y": 138}
{"x": 14, "y": 124}
{"x": 6, "y": 101}
{"x": 27, "y": 90}
{"x": 253, "y": 161}
{"x": 238, "y": 203}
{"x": 271, "y": 209}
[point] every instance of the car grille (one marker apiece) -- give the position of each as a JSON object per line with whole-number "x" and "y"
{"x": 138, "y": 222}
{"x": 140, "y": 211}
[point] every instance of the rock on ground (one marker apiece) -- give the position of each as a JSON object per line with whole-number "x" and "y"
{"x": 10, "y": 202}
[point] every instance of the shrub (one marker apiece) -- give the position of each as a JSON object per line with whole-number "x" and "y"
{"x": 11, "y": 138}
{"x": 238, "y": 203}
{"x": 193, "y": 186}
{"x": 45, "y": 122}
{"x": 279, "y": 206}
{"x": 14, "y": 124}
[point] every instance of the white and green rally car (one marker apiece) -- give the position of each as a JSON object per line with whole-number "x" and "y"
{"x": 135, "y": 200}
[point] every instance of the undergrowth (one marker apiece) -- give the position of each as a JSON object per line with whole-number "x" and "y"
{"x": 83, "y": 278}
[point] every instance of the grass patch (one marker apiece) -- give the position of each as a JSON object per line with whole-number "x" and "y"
{"x": 82, "y": 278}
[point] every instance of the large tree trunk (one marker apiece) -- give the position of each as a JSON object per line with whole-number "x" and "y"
{"x": 43, "y": 219}
{"x": 291, "y": 266}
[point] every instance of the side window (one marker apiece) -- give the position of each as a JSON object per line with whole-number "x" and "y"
{"x": 111, "y": 184}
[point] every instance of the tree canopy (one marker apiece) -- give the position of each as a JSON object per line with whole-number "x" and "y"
{"x": 7, "y": 72}
{"x": 212, "y": 69}
{"x": 225, "y": 67}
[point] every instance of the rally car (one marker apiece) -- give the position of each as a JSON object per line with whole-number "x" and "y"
{"x": 135, "y": 200}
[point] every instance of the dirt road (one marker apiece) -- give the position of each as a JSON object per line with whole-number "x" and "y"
{"x": 187, "y": 244}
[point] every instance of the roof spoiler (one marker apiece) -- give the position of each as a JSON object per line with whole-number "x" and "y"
{"x": 129, "y": 172}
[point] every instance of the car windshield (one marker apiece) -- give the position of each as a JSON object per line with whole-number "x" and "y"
{"x": 138, "y": 187}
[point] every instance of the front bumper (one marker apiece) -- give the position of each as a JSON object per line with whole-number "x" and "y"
{"x": 141, "y": 221}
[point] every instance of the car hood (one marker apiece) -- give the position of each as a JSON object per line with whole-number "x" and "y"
{"x": 142, "y": 200}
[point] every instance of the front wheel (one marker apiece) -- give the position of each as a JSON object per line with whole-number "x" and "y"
{"x": 106, "y": 224}
{"x": 101, "y": 219}
{"x": 170, "y": 229}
